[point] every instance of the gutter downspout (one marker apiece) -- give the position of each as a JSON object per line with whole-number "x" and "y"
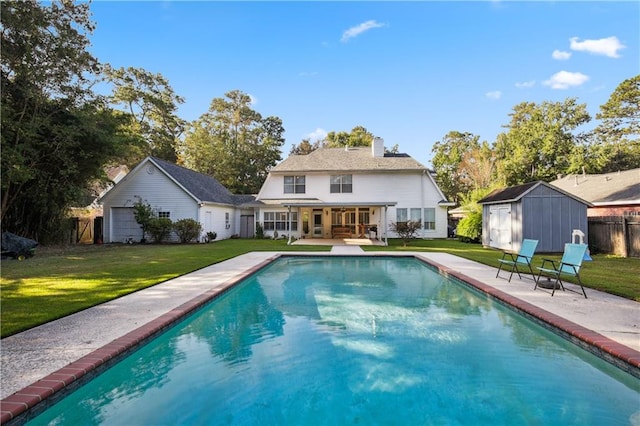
{"x": 289, "y": 242}
{"x": 422, "y": 203}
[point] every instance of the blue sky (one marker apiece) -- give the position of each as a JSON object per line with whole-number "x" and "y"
{"x": 409, "y": 72}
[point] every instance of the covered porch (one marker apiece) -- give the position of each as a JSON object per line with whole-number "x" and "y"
{"x": 362, "y": 223}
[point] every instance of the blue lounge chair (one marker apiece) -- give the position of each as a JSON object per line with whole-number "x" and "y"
{"x": 523, "y": 258}
{"x": 569, "y": 265}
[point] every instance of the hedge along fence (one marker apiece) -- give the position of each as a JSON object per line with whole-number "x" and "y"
{"x": 618, "y": 235}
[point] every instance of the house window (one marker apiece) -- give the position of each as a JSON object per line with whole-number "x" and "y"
{"x": 414, "y": 215}
{"x": 294, "y": 185}
{"x": 279, "y": 221}
{"x": 341, "y": 184}
{"x": 430, "y": 219}
{"x": 164, "y": 215}
{"x": 227, "y": 221}
{"x": 401, "y": 215}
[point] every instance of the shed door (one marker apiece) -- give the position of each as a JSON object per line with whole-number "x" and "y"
{"x": 124, "y": 225}
{"x": 500, "y": 227}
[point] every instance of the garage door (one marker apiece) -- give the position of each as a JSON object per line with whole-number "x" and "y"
{"x": 124, "y": 225}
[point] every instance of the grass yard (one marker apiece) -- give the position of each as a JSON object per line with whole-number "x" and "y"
{"x": 60, "y": 281}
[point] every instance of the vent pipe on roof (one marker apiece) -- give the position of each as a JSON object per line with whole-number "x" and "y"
{"x": 377, "y": 147}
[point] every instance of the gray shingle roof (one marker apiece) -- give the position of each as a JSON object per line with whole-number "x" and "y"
{"x": 341, "y": 159}
{"x": 515, "y": 193}
{"x": 204, "y": 188}
{"x": 609, "y": 188}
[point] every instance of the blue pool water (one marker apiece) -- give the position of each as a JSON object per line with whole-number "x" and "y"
{"x": 354, "y": 340}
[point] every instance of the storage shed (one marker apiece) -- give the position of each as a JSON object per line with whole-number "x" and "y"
{"x": 535, "y": 210}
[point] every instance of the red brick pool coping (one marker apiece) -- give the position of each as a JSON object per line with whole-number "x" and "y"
{"x": 19, "y": 403}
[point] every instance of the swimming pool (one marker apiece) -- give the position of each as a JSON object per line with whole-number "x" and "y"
{"x": 354, "y": 340}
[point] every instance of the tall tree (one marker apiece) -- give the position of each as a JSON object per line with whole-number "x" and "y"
{"x": 617, "y": 137}
{"x": 359, "y": 136}
{"x": 305, "y": 147}
{"x": 448, "y": 156}
{"x": 540, "y": 144}
{"x": 151, "y": 104}
{"x": 233, "y": 143}
{"x": 56, "y": 134}
{"x": 478, "y": 167}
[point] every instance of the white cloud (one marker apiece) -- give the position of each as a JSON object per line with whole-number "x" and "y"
{"x": 560, "y": 55}
{"x": 317, "y": 135}
{"x": 525, "y": 84}
{"x": 566, "y": 79}
{"x": 496, "y": 94}
{"x": 605, "y": 46}
{"x": 359, "y": 29}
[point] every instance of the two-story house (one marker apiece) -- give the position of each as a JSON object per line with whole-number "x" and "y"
{"x": 350, "y": 192}
{"x": 329, "y": 193}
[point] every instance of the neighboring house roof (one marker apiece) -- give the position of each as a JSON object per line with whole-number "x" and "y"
{"x": 517, "y": 192}
{"x": 346, "y": 159}
{"x": 615, "y": 188}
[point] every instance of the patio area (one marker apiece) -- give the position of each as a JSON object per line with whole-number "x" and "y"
{"x": 338, "y": 242}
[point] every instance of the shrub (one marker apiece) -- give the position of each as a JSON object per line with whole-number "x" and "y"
{"x": 259, "y": 231}
{"x": 211, "y": 236}
{"x": 187, "y": 230}
{"x": 406, "y": 230}
{"x": 159, "y": 228}
{"x": 470, "y": 227}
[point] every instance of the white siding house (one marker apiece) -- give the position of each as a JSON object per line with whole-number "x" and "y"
{"x": 329, "y": 193}
{"x": 339, "y": 192}
{"x": 173, "y": 192}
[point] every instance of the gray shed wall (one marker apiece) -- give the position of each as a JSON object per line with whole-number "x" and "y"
{"x": 543, "y": 214}
{"x": 550, "y": 217}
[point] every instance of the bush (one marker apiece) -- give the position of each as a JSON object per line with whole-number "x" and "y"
{"x": 406, "y": 230}
{"x": 259, "y": 231}
{"x": 160, "y": 228}
{"x": 470, "y": 227}
{"x": 211, "y": 236}
{"x": 187, "y": 230}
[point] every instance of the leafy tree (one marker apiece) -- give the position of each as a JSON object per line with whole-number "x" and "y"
{"x": 448, "y": 156}
{"x": 234, "y": 143}
{"x": 151, "y": 104}
{"x": 143, "y": 214}
{"x": 406, "y": 230}
{"x": 56, "y": 133}
{"x": 305, "y": 147}
{"x": 477, "y": 168}
{"x": 617, "y": 142}
{"x": 359, "y": 136}
{"x": 187, "y": 229}
{"x": 539, "y": 144}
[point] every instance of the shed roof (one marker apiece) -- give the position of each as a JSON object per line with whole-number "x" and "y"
{"x": 621, "y": 187}
{"x": 202, "y": 187}
{"x": 352, "y": 159}
{"x": 515, "y": 193}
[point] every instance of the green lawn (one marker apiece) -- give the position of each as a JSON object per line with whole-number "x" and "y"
{"x": 60, "y": 281}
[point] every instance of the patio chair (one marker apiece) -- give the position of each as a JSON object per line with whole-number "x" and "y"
{"x": 523, "y": 258}
{"x": 569, "y": 265}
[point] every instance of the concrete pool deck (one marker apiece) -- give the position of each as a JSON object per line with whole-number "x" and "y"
{"x": 35, "y": 363}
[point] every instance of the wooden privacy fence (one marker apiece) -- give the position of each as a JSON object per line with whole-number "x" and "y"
{"x": 615, "y": 235}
